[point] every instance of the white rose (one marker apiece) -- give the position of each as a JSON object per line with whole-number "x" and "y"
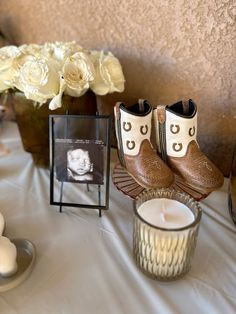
{"x": 3, "y": 86}
{"x": 61, "y": 51}
{"x": 31, "y": 49}
{"x": 45, "y": 51}
{"x": 7, "y": 73}
{"x": 38, "y": 79}
{"x": 78, "y": 72}
{"x": 109, "y": 77}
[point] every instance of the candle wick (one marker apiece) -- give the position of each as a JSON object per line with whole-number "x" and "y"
{"x": 163, "y": 212}
{"x": 163, "y": 208}
{"x": 163, "y": 216}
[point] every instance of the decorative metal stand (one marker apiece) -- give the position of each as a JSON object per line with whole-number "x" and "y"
{"x": 127, "y": 185}
{"x": 62, "y": 183}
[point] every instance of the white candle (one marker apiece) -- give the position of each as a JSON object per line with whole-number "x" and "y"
{"x": 2, "y": 224}
{"x": 8, "y": 254}
{"x": 165, "y": 238}
{"x": 166, "y": 213}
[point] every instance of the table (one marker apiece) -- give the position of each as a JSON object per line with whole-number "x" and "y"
{"x": 84, "y": 263}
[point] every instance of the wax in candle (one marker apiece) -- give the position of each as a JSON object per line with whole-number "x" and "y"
{"x": 2, "y": 224}
{"x": 166, "y": 213}
{"x": 8, "y": 253}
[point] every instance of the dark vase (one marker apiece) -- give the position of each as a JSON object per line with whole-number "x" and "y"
{"x": 33, "y": 121}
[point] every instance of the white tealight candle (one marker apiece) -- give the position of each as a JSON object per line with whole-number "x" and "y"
{"x": 8, "y": 253}
{"x": 2, "y": 224}
{"x": 166, "y": 213}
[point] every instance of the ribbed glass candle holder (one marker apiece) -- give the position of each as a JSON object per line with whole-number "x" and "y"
{"x": 161, "y": 253}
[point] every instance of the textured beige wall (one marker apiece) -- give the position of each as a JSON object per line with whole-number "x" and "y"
{"x": 169, "y": 50}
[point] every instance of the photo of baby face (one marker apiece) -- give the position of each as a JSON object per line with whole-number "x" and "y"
{"x": 79, "y": 162}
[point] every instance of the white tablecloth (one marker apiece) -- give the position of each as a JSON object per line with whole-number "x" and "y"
{"x": 84, "y": 263}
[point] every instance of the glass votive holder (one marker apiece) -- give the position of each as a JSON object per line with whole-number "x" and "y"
{"x": 166, "y": 224}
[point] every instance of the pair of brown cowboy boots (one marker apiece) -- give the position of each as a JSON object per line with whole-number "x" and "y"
{"x": 175, "y": 129}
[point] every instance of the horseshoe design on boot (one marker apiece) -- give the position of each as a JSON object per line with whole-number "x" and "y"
{"x": 143, "y": 129}
{"x": 127, "y": 126}
{"x": 174, "y": 128}
{"x": 130, "y": 144}
{"x": 177, "y": 147}
{"x": 191, "y": 131}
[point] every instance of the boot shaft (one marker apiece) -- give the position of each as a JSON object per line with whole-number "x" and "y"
{"x": 176, "y": 130}
{"x": 133, "y": 132}
{"x": 181, "y": 127}
{"x": 175, "y": 127}
{"x": 133, "y": 126}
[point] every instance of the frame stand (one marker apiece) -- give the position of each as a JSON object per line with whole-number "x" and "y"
{"x": 89, "y": 138}
{"x": 62, "y": 183}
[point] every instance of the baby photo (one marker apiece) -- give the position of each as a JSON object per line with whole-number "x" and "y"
{"x": 79, "y": 165}
{"x": 79, "y": 161}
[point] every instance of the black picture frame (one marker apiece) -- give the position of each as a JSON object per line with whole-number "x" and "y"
{"x": 79, "y": 161}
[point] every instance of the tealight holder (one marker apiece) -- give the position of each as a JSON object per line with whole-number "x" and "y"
{"x": 165, "y": 254}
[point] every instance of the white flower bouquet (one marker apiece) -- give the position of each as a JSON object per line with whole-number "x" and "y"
{"x": 45, "y": 72}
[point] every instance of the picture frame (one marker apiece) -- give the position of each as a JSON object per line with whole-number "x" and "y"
{"x": 79, "y": 161}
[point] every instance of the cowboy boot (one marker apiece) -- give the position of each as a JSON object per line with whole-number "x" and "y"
{"x": 136, "y": 154}
{"x": 176, "y": 133}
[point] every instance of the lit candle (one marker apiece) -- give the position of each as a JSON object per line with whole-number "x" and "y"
{"x": 166, "y": 213}
{"x": 2, "y": 224}
{"x": 8, "y": 254}
{"x": 165, "y": 231}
